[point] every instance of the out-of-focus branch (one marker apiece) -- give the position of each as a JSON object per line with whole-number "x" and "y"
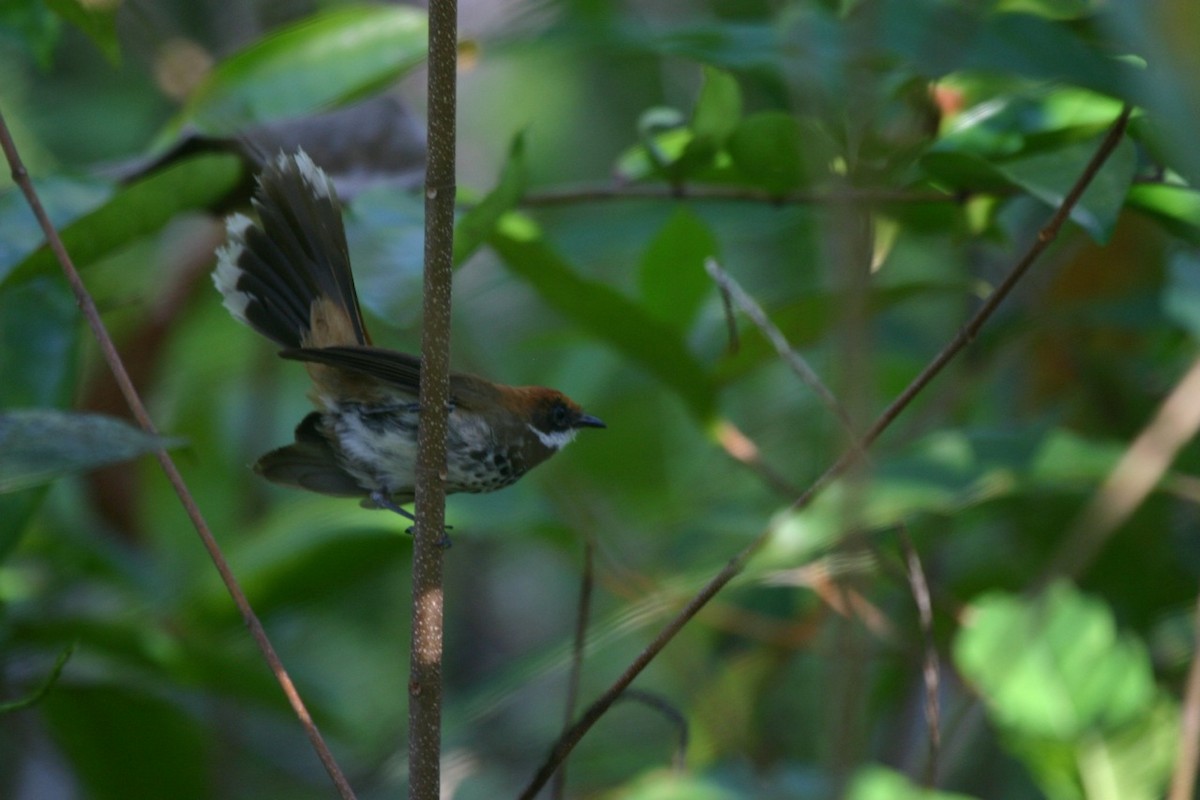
{"x": 850, "y": 456}
{"x": 1136, "y": 474}
{"x": 109, "y": 350}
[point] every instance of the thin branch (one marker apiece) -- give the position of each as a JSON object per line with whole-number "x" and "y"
{"x": 34, "y": 697}
{"x": 733, "y": 290}
{"x": 672, "y": 714}
{"x": 582, "y": 616}
{"x": 1140, "y": 468}
{"x": 848, "y": 458}
{"x": 1183, "y": 781}
{"x": 88, "y": 306}
{"x": 930, "y": 666}
{"x": 742, "y": 448}
{"x": 425, "y": 659}
{"x": 969, "y": 331}
{"x": 731, "y": 328}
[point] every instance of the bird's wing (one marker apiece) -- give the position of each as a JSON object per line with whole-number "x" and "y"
{"x": 399, "y": 370}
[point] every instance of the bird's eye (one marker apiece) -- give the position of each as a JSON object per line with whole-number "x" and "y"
{"x": 560, "y": 416}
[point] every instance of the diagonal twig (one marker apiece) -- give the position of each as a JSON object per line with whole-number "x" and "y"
{"x": 1139, "y": 470}
{"x": 733, "y": 290}
{"x": 849, "y": 457}
{"x": 88, "y": 306}
{"x": 732, "y": 293}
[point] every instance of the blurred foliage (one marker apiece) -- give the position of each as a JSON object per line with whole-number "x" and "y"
{"x": 867, "y": 169}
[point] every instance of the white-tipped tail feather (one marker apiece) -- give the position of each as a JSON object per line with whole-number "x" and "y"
{"x": 314, "y": 176}
{"x": 225, "y": 276}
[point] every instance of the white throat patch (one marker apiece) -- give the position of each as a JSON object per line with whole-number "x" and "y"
{"x": 554, "y": 441}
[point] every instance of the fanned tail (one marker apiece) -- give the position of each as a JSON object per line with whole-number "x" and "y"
{"x": 288, "y": 276}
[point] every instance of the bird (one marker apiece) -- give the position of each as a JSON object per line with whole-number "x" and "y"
{"x": 288, "y": 277}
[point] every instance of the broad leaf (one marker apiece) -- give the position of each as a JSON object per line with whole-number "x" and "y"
{"x": 98, "y": 21}
{"x": 30, "y": 24}
{"x": 37, "y": 446}
{"x": 879, "y": 783}
{"x": 323, "y": 61}
{"x": 39, "y": 335}
{"x": 671, "y": 278}
{"x": 129, "y": 744}
{"x": 137, "y": 210}
{"x": 475, "y": 226}
{"x": 1049, "y": 176}
{"x": 766, "y": 147}
{"x": 1176, "y": 207}
{"x": 1055, "y": 666}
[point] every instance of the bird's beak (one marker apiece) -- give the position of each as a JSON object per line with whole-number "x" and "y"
{"x": 588, "y": 421}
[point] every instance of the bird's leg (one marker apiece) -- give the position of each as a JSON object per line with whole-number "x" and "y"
{"x": 384, "y": 501}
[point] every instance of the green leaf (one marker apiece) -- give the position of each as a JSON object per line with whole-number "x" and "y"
{"x": 30, "y": 24}
{"x": 766, "y": 147}
{"x": 1176, "y": 207}
{"x": 653, "y": 156}
{"x": 718, "y": 108}
{"x": 664, "y": 785}
{"x": 39, "y": 336}
{"x": 1014, "y": 118}
{"x": 880, "y": 783}
{"x": 953, "y": 170}
{"x": 741, "y": 45}
{"x": 970, "y": 38}
{"x": 39, "y": 332}
{"x": 298, "y": 557}
{"x": 474, "y": 227}
{"x": 137, "y": 210}
{"x": 1050, "y": 9}
{"x": 64, "y": 201}
{"x": 1049, "y": 176}
{"x": 1067, "y": 459}
{"x": 98, "y": 21}
{"x": 607, "y": 314}
{"x": 37, "y": 446}
{"x": 326, "y": 60}
{"x": 671, "y": 278}
{"x": 1055, "y": 666}
{"x": 129, "y": 745}
{"x": 715, "y": 117}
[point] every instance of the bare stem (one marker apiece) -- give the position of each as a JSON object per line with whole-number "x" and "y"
{"x": 425, "y": 664}
{"x": 849, "y": 457}
{"x": 733, "y": 291}
{"x": 930, "y": 665}
{"x": 109, "y": 349}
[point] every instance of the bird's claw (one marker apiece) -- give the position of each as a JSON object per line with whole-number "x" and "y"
{"x": 383, "y": 501}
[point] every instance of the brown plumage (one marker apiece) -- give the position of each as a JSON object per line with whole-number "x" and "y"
{"x": 288, "y": 277}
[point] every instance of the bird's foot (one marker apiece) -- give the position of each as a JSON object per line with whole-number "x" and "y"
{"x": 382, "y": 500}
